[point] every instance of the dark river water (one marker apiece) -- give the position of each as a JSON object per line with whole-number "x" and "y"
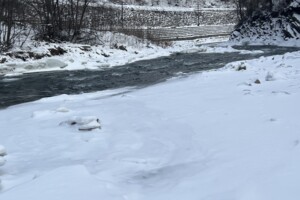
{"x": 29, "y": 87}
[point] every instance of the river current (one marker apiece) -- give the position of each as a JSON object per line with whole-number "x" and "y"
{"x": 33, "y": 86}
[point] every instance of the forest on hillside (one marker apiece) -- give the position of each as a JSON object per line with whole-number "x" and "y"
{"x": 248, "y": 8}
{"x": 73, "y": 20}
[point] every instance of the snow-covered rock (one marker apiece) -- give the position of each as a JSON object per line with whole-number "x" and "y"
{"x": 95, "y": 124}
{"x": 270, "y": 27}
{"x": 242, "y": 66}
{"x": 49, "y": 63}
{"x": 62, "y": 110}
{"x": 34, "y": 66}
{"x": 84, "y": 123}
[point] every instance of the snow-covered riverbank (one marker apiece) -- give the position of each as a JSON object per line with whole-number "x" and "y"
{"x": 117, "y": 50}
{"x": 223, "y": 134}
{"x": 103, "y": 57}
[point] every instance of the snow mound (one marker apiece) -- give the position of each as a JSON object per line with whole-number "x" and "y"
{"x": 6, "y": 69}
{"x": 2, "y": 151}
{"x": 32, "y": 66}
{"x": 51, "y": 63}
{"x": 238, "y": 66}
{"x": 84, "y": 123}
{"x": 62, "y": 110}
{"x": 242, "y": 66}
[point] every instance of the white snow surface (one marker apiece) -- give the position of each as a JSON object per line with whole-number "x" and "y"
{"x": 2, "y": 150}
{"x": 2, "y": 162}
{"x": 214, "y": 135}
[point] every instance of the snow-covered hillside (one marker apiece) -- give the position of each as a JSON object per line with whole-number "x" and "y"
{"x": 226, "y": 134}
{"x": 271, "y": 27}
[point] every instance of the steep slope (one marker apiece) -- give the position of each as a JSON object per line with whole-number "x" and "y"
{"x": 271, "y": 26}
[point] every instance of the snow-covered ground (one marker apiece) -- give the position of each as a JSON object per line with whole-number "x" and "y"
{"x": 96, "y": 57}
{"x": 216, "y": 135}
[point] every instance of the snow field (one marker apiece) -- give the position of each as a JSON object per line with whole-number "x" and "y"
{"x": 213, "y": 135}
{"x": 2, "y": 160}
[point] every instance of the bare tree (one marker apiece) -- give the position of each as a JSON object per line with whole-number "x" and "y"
{"x": 59, "y": 19}
{"x": 78, "y": 11}
{"x": 198, "y": 12}
{"x": 246, "y": 8}
{"x": 11, "y": 14}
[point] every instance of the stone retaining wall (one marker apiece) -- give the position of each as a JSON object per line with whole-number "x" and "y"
{"x": 107, "y": 18}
